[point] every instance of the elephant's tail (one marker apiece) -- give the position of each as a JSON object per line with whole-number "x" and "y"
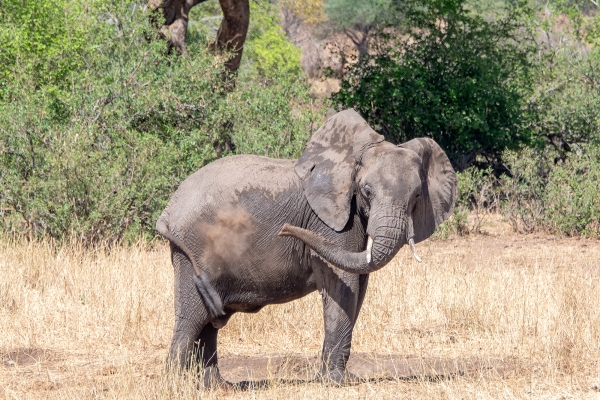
{"x": 207, "y": 292}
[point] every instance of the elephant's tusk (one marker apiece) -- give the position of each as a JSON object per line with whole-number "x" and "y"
{"x": 411, "y": 243}
{"x": 369, "y": 246}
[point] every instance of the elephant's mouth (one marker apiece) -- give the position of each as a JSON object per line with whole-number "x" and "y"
{"x": 410, "y": 233}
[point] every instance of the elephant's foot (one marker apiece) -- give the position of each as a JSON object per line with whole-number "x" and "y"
{"x": 338, "y": 377}
{"x": 212, "y": 379}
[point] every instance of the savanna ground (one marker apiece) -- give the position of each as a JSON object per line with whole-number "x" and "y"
{"x": 487, "y": 316}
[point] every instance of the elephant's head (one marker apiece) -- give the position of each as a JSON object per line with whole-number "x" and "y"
{"x": 404, "y": 191}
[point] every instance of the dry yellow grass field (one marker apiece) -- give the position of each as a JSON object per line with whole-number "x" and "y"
{"x": 493, "y": 316}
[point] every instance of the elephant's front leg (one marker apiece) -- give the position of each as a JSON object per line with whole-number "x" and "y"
{"x": 342, "y": 295}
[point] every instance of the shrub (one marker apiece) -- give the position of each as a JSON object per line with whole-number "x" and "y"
{"x": 534, "y": 195}
{"x": 36, "y": 39}
{"x": 572, "y": 200}
{"x": 96, "y": 153}
{"x": 565, "y": 107}
{"x": 268, "y": 47}
{"x": 451, "y": 75}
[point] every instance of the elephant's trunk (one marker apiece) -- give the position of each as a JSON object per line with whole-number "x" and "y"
{"x": 386, "y": 236}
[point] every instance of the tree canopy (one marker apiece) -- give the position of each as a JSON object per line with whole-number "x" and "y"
{"x": 450, "y": 75}
{"x": 98, "y": 124}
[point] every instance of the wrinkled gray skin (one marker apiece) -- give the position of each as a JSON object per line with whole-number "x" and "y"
{"x": 247, "y": 231}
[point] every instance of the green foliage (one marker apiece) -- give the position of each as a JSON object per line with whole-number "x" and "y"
{"x": 523, "y": 188}
{"x": 565, "y": 107}
{"x": 267, "y": 44}
{"x": 572, "y": 201}
{"x": 534, "y": 195}
{"x": 273, "y": 117}
{"x": 273, "y": 52}
{"x": 576, "y": 11}
{"x": 487, "y": 7}
{"x": 266, "y": 50}
{"x": 452, "y": 76}
{"x": 349, "y": 14}
{"x": 97, "y": 151}
{"x": 34, "y": 38}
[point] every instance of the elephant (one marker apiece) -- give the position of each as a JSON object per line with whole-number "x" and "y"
{"x": 246, "y": 231}
{"x": 230, "y": 36}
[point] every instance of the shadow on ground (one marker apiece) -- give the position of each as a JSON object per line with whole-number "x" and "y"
{"x": 248, "y": 372}
{"x": 257, "y": 371}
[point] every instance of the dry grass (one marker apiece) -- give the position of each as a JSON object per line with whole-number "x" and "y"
{"x": 76, "y": 323}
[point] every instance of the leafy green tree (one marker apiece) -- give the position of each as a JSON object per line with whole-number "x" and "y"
{"x": 38, "y": 37}
{"x": 450, "y": 75}
{"x": 266, "y": 50}
{"x": 565, "y": 107}
{"x": 125, "y": 124}
{"x": 359, "y": 19}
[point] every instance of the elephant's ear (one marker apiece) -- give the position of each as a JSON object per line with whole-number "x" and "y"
{"x": 439, "y": 191}
{"x": 328, "y": 164}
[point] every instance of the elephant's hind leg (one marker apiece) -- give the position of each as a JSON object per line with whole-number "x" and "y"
{"x": 194, "y": 340}
{"x": 190, "y": 313}
{"x": 207, "y": 349}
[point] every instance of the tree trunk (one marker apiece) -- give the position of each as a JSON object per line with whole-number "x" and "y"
{"x": 231, "y": 35}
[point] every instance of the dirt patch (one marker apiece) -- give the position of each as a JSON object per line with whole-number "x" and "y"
{"x": 499, "y": 251}
{"x": 274, "y": 366}
{"x": 59, "y": 371}
{"x": 23, "y": 357}
{"x": 366, "y": 366}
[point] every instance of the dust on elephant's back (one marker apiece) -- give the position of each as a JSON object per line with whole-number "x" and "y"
{"x": 228, "y": 237}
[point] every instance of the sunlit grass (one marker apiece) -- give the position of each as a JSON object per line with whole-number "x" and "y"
{"x": 83, "y": 323}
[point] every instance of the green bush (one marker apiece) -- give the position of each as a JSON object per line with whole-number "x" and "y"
{"x": 450, "y": 75}
{"x": 37, "y": 39}
{"x": 565, "y": 107}
{"x": 268, "y": 47}
{"x": 572, "y": 201}
{"x": 96, "y": 152}
{"x": 534, "y": 195}
{"x": 562, "y": 198}
{"x": 523, "y": 189}
{"x": 267, "y": 51}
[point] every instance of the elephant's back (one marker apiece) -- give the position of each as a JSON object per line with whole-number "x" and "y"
{"x": 229, "y": 183}
{"x": 240, "y": 171}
